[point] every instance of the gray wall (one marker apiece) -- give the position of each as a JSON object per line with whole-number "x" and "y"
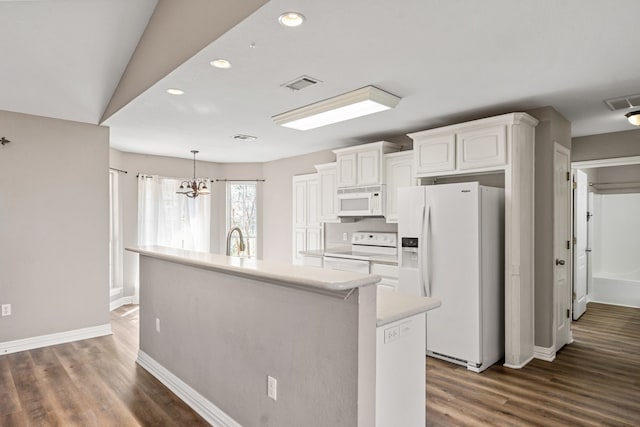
{"x": 552, "y": 128}
{"x": 223, "y": 335}
{"x": 277, "y": 204}
{"x": 54, "y": 235}
{"x": 606, "y": 146}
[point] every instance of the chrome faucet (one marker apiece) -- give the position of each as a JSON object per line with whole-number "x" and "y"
{"x": 240, "y": 246}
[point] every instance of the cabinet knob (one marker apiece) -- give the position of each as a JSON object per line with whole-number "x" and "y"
{"x": 559, "y": 262}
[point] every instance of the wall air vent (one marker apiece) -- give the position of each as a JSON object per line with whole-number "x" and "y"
{"x": 301, "y": 83}
{"x": 623, "y": 102}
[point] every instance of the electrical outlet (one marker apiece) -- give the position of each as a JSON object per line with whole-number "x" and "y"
{"x": 345, "y": 236}
{"x": 6, "y": 310}
{"x": 157, "y": 324}
{"x": 272, "y": 387}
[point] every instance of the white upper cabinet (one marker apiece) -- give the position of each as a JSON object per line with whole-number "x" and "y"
{"x": 307, "y": 229}
{"x": 482, "y": 148}
{"x": 399, "y": 171}
{"x": 368, "y": 167}
{"x": 346, "y": 170}
{"x": 434, "y": 153}
{"x": 469, "y": 147}
{"x": 362, "y": 164}
{"x": 327, "y": 177}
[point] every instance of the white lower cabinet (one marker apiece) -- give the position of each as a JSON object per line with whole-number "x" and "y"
{"x": 388, "y": 274}
{"x": 400, "y": 372}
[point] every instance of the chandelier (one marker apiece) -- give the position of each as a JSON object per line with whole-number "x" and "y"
{"x": 194, "y": 187}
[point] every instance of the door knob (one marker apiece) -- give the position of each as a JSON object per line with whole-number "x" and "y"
{"x": 559, "y": 262}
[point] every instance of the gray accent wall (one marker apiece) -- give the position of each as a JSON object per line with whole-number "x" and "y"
{"x": 224, "y": 334}
{"x": 606, "y": 146}
{"x": 553, "y": 127}
{"x": 54, "y": 226}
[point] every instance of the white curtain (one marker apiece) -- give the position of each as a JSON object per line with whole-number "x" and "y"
{"x": 166, "y": 218}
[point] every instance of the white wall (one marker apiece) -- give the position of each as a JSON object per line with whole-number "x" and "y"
{"x": 54, "y": 226}
{"x": 617, "y": 234}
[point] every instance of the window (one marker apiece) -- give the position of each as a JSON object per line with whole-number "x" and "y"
{"x": 166, "y": 218}
{"x": 241, "y": 213}
{"x": 115, "y": 236}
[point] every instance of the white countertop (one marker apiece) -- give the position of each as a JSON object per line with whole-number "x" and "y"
{"x": 394, "y": 306}
{"x": 274, "y": 272}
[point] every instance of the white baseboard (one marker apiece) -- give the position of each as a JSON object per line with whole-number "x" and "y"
{"x": 207, "y": 410}
{"x": 54, "y": 339}
{"x": 120, "y": 302}
{"x": 544, "y": 353}
{"x": 520, "y": 366}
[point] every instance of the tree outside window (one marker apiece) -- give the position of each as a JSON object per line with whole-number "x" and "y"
{"x": 242, "y": 213}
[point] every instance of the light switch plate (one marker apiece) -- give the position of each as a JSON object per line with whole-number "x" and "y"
{"x": 6, "y": 310}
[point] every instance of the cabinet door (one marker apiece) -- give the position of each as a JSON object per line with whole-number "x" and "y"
{"x": 346, "y": 164}
{"x": 399, "y": 171}
{"x": 299, "y": 203}
{"x": 482, "y": 148}
{"x": 314, "y": 238}
{"x": 435, "y": 154}
{"x": 313, "y": 203}
{"x": 368, "y": 167}
{"x": 328, "y": 196}
{"x": 299, "y": 244}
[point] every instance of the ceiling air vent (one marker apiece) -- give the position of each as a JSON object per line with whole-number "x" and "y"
{"x": 241, "y": 137}
{"x": 301, "y": 83}
{"x": 623, "y": 102}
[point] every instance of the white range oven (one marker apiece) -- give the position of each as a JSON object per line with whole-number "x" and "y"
{"x": 366, "y": 248}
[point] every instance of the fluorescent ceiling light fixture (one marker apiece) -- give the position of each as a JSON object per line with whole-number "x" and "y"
{"x": 220, "y": 63}
{"x": 361, "y": 102}
{"x": 291, "y": 19}
{"x": 174, "y": 91}
{"x": 633, "y": 117}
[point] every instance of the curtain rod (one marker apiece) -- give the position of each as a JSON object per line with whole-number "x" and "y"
{"x": 241, "y": 180}
{"x": 118, "y": 170}
{"x": 172, "y": 177}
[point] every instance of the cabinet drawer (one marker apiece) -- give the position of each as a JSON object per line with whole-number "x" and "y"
{"x": 384, "y": 270}
{"x": 482, "y": 148}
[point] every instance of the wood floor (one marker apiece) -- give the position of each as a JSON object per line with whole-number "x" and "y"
{"x": 593, "y": 382}
{"x": 93, "y": 382}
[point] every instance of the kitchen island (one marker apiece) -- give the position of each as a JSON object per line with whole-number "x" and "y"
{"x": 213, "y": 328}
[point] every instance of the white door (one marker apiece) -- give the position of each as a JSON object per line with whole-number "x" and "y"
{"x": 368, "y": 168}
{"x": 580, "y": 247}
{"x": 561, "y": 243}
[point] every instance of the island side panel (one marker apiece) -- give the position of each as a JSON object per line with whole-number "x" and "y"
{"x": 223, "y": 335}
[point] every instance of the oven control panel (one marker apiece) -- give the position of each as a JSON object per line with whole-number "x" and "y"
{"x": 374, "y": 238}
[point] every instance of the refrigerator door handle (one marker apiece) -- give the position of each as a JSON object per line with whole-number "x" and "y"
{"x": 424, "y": 262}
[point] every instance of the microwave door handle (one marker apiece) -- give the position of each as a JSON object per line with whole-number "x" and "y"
{"x": 424, "y": 262}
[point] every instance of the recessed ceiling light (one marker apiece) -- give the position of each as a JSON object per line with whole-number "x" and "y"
{"x": 291, "y": 19}
{"x": 174, "y": 91}
{"x": 220, "y": 63}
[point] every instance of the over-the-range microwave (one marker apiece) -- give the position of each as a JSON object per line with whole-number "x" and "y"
{"x": 361, "y": 201}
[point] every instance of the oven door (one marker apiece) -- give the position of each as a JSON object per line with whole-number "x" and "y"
{"x": 346, "y": 264}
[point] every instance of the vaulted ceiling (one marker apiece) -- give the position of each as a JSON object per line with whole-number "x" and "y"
{"x": 447, "y": 60}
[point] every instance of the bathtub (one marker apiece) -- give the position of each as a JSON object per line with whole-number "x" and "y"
{"x": 618, "y": 289}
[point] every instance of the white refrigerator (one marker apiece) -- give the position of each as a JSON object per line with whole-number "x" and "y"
{"x": 452, "y": 249}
